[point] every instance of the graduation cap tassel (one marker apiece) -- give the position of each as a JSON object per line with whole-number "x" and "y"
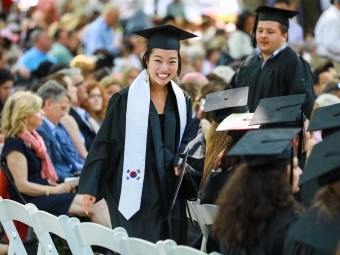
{"x": 253, "y": 34}
{"x": 299, "y": 152}
{"x": 291, "y": 166}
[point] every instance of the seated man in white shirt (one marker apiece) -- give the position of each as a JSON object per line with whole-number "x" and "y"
{"x": 327, "y": 35}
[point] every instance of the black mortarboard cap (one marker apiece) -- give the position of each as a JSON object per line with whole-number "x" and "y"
{"x": 281, "y": 112}
{"x": 281, "y": 16}
{"x": 226, "y": 102}
{"x": 326, "y": 118}
{"x": 324, "y": 162}
{"x": 276, "y": 110}
{"x": 164, "y": 37}
{"x": 265, "y": 147}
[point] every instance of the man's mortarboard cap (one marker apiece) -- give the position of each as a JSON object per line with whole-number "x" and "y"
{"x": 265, "y": 147}
{"x": 324, "y": 162}
{"x": 327, "y": 117}
{"x": 281, "y": 16}
{"x": 164, "y": 37}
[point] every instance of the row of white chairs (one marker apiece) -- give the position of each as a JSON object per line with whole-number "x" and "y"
{"x": 79, "y": 236}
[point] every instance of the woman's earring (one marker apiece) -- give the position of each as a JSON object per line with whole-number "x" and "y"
{"x": 176, "y": 79}
{"x": 146, "y": 77}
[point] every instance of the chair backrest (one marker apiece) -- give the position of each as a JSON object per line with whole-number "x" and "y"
{"x": 136, "y": 246}
{"x": 9, "y": 211}
{"x": 205, "y": 215}
{"x": 88, "y": 233}
{"x": 8, "y": 174}
{"x": 208, "y": 213}
{"x": 185, "y": 250}
{"x": 165, "y": 247}
{"x": 45, "y": 223}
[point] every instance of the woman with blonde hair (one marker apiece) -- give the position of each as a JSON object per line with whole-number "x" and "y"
{"x": 111, "y": 86}
{"x": 86, "y": 64}
{"x": 94, "y": 104}
{"x": 30, "y": 164}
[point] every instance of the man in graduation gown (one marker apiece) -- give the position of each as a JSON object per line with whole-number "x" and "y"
{"x": 277, "y": 70}
{"x": 103, "y": 170}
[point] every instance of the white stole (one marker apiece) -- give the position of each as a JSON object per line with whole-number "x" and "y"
{"x": 137, "y": 117}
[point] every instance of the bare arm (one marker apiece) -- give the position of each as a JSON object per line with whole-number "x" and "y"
{"x": 17, "y": 164}
{"x": 73, "y": 130}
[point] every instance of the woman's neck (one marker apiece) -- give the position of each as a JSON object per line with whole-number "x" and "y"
{"x": 155, "y": 88}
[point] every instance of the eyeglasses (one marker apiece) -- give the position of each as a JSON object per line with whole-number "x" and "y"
{"x": 79, "y": 83}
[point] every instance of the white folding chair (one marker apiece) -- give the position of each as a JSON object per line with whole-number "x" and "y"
{"x": 9, "y": 211}
{"x": 205, "y": 215}
{"x": 136, "y": 246}
{"x": 88, "y": 233}
{"x": 44, "y": 223}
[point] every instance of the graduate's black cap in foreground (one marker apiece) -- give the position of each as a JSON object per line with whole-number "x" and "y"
{"x": 324, "y": 162}
{"x": 281, "y": 16}
{"x": 265, "y": 147}
{"x": 164, "y": 37}
{"x": 226, "y": 99}
{"x": 276, "y": 110}
{"x": 226, "y": 102}
{"x": 326, "y": 118}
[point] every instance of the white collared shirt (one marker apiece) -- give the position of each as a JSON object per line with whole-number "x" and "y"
{"x": 327, "y": 34}
{"x": 273, "y": 55}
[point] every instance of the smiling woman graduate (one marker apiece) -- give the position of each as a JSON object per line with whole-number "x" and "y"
{"x": 135, "y": 157}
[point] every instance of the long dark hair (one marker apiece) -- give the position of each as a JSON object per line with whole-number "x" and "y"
{"x": 242, "y": 19}
{"x": 147, "y": 54}
{"x": 250, "y": 199}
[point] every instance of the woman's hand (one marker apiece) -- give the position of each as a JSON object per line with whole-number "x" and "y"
{"x": 88, "y": 200}
{"x": 177, "y": 170}
{"x": 64, "y": 188}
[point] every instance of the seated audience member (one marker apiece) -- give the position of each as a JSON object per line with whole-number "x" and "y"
{"x": 321, "y": 76}
{"x": 85, "y": 64}
{"x": 94, "y": 105}
{"x": 101, "y": 73}
{"x": 111, "y": 86}
{"x": 317, "y": 231}
{"x": 59, "y": 50}
{"x": 239, "y": 41}
{"x": 193, "y": 90}
{"x": 56, "y": 101}
{"x": 6, "y": 84}
{"x": 129, "y": 75}
{"x": 31, "y": 167}
{"x": 199, "y": 78}
{"x": 87, "y": 131}
{"x": 105, "y": 59}
{"x": 32, "y": 58}
{"x": 333, "y": 88}
{"x": 257, "y": 206}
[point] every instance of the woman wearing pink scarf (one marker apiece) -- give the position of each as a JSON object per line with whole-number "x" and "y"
{"x": 30, "y": 165}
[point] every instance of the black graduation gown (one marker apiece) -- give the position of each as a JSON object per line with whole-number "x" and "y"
{"x": 213, "y": 185}
{"x": 102, "y": 172}
{"x": 313, "y": 234}
{"x": 285, "y": 74}
{"x": 273, "y": 240}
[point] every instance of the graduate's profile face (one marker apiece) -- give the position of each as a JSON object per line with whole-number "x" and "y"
{"x": 269, "y": 36}
{"x": 296, "y": 174}
{"x": 162, "y": 65}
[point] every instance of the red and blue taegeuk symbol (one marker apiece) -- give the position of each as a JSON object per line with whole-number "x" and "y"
{"x": 133, "y": 174}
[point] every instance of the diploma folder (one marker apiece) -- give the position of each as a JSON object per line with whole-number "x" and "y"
{"x": 179, "y": 180}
